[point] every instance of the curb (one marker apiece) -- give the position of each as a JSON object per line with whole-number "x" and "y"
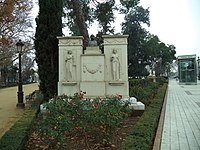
{"x": 158, "y": 138}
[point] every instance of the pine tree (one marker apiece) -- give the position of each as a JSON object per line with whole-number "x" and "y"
{"x": 49, "y": 26}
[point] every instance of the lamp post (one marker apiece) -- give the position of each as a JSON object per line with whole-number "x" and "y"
{"x": 20, "y": 93}
{"x": 198, "y": 61}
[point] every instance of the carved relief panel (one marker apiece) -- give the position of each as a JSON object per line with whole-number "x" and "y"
{"x": 92, "y": 68}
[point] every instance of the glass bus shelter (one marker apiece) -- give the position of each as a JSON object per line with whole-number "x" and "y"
{"x": 187, "y": 69}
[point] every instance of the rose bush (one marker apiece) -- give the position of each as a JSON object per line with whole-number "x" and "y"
{"x": 79, "y": 116}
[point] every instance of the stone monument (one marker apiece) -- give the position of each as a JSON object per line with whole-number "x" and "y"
{"x": 95, "y": 73}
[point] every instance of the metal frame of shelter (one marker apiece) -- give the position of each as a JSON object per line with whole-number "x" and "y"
{"x": 187, "y": 69}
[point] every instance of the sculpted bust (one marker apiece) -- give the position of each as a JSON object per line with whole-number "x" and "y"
{"x": 92, "y": 41}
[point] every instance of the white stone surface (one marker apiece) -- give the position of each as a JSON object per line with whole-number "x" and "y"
{"x": 133, "y": 104}
{"x": 92, "y": 50}
{"x": 93, "y": 89}
{"x": 137, "y": 106}
{"x": 42, "y": 107}
{"x": 133, "y": 100}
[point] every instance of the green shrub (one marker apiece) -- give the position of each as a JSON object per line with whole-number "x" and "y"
{"x": 143, "y": 132}
{"x": 144, "y": 90}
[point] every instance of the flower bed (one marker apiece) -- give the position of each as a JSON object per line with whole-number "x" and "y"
{"x": 92, "y": 119}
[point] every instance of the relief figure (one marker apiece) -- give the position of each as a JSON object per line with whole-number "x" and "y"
{"x": 69, "y": 66}
{"x": 115, "y": 65}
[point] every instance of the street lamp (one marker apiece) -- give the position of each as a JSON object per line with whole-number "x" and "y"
{"x": 198, "y": 61}
{"x": 20, "y": 93}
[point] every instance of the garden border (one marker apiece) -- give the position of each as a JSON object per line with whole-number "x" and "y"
{"x": 158, "y": 138}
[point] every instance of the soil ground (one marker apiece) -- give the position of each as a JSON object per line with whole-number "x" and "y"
{"x": 9, "y": 114}
{"x": 79, "y": 143}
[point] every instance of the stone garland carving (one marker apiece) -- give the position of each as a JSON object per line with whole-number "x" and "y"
{"x": 115, "y": 65}
{"x": 114, "y": 41}
{"x": 71, "y": 42}
{"x": 92, "y": 71}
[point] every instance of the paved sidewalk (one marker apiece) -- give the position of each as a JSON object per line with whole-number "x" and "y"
{"x": 181, "y": 130}
{"x": 9, "y": 114}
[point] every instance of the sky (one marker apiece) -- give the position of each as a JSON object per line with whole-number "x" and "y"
{"x": 173, "y": 21}
{"x": 176, "y": 22}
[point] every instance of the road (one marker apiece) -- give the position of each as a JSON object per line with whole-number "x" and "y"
{"x": 9, "y": 114}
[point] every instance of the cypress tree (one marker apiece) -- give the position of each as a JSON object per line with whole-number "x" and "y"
{"x": 49, "y": 26}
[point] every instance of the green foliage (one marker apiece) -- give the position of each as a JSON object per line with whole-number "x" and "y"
{"x": 156, "y": 50}
{"x": 141, "y": 44}
{"x": 49, "y": 26}
{"x": 105, "y": 15}
{"x": 143, "y": 90}
{"x": 132, "y": 26}
{"x": 27, "y": 68}
{"x": 128, "y": 5}
{"x": 8, "y": 74}
{"x": 143, "y": 132}
{"x": 16, "y": 137}
{"x": 97, "y": 118}
{"x": 72, "y": 21}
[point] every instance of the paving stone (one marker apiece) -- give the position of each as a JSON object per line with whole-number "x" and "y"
{"x": 181, "y": 129}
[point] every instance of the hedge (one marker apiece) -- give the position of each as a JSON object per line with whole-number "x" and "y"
{"x": 142, "y": 135}
{"x": 144, "y": 90}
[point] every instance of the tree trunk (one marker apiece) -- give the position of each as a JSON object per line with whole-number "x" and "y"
{"x": 81, "y": 21}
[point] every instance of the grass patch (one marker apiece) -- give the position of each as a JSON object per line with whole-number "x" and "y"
{"x": 17, "y": 136}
